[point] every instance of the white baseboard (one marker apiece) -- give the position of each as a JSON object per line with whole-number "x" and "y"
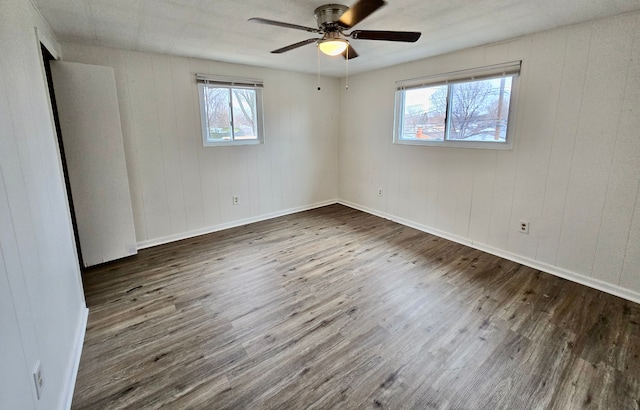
{"x": 409, "y": 223}
{"x": 186, "y": 235}
{"x": 72, "y": 372}
{"x": 561, "y": 272}
{"x": 541, "y": 266}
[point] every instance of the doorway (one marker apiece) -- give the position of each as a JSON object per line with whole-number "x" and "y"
{"x": 47, "y": 57}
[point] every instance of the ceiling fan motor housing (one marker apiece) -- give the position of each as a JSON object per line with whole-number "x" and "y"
{"x": 332, "y": 20}
{"x": 328, "y": 14}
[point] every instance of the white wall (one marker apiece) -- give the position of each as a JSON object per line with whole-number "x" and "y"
{"x": 179, "y": 188}
{"x": 42, "y": 308}
{"x": 574, "y": 172}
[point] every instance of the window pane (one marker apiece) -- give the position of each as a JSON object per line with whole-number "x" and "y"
{"x": 424, "y": 113}
{"x": 217, "y": 111}
{"x": 245, "y": 114}
{"x": 480, "y": 110}
{"x": 230, "y": 115}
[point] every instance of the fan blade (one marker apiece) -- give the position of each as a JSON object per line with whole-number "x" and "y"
{"x": 296, "y": 45}
{"x": 351, "y": 53}
{"x": 406, "y": 36}
{"x": 282, "y": 24}
{"x": 359, "y": 12}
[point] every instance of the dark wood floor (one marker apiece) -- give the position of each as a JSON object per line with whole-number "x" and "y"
{"x": 335, "y": 308}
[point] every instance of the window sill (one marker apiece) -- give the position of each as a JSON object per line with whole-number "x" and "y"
{"x": 502, "y": 146}
{"x": 231, "y": 143}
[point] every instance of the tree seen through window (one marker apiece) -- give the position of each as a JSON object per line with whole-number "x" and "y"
{"x": 478, "y": 111}
{"x": 231, "y": 113}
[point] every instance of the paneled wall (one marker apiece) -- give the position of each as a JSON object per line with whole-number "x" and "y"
{"x": 42, "y": 308}
{"x": 574, "y": 171}
{"x": 179, "y": 188}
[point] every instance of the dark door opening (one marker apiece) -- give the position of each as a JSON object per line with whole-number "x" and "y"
{"x": 47, "y": 57}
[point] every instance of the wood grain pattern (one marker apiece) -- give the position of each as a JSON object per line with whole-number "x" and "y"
{"x": 335, "y": 308}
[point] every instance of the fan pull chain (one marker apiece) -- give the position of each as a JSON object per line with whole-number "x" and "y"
{"x": 318, "y": 49}
{"x": 346, "y": 86}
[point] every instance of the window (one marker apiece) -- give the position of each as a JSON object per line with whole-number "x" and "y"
{"x": 230, "y": 110}
{"x": 470, "y": 108}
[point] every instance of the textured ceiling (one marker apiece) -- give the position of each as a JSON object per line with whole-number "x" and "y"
{"x": 218, "y": 29}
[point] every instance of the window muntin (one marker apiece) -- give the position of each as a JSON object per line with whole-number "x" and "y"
{"x": 231, "y": 111}
{"x": 468, "y": 108}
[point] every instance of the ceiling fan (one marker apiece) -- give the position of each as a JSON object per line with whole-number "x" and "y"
{"x": 333, "y": 20}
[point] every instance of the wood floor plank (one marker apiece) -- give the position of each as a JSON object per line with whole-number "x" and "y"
{"x": 335, "y": 308}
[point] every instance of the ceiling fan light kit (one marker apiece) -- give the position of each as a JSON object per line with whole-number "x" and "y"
{"x": 332, "y": 44}
{"x": 333, "y": 20}
{"x": 332, "y": 47}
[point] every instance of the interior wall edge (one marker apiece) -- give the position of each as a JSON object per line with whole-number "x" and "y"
{"x": 541, "y": 266}
{"x": 37, "y": 241}
{"x": 44, "y": 33}
{"x": 74, "y": 364}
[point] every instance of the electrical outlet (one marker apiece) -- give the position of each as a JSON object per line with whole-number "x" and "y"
{"x": 236, "y": 200}
{"x": 379, "y": 191}
{"x": 37, "y": 379}
{"x": 524, "y": 227}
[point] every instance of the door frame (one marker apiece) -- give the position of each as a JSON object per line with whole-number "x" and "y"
{"x": 47, "y": 57}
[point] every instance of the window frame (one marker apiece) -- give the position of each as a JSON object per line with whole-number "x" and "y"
{"x": 511, "y": 69}
{"x": 230, "y": 83}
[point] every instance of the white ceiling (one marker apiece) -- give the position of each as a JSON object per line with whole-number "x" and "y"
{"x": 218, "y": 29}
